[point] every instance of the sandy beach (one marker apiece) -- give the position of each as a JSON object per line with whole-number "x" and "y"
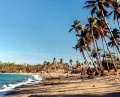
{"x": 70, "y": 85}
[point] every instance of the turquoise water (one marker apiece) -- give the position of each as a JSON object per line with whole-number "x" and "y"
{"x": 10, "y": 81}
{"x": 11, "y": 78}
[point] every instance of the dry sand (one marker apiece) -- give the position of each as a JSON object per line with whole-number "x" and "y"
{"x": 64, "y": 85}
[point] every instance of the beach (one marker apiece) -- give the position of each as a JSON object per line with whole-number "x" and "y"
{"x": 70, "y": 85}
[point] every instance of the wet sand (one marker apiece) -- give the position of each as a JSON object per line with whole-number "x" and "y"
{"x": 70, "y": 85}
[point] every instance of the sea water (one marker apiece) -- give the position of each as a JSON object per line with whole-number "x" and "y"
{"x": 8, "y": 82}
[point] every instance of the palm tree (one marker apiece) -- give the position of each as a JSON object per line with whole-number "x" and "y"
{"x": 116, "y": 11}
{"x": 54, "y": 63}
{"x": 80, "y": 37}
{"x": 93, "y": 27}
{"x": 75, "y": 26}
{"x": 61, "y": 61}
{"x": 77, "y": 63}
{"x": 97, "y": 28}
{"x": 71, "y": 61}
{"x": 109, "y": 56}
{"x": 84, "y": 41}
{"x": 81, "y": 46}
{"x": 104, "y": 33}
{"x": 116, "y": 35}
{"x": 98, "y": 7}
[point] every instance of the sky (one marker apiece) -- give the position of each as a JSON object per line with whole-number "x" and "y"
{"x": 34, "y": 31}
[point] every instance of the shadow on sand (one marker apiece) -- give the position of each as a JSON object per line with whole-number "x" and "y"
{"x": 117, "y": 94}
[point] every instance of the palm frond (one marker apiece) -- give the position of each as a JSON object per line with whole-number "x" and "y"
{"x": 114, "y": 17}
{"x": 90, "y": 2}
{"x": 99, "y": 49}
{"x": 105, "y": 12}
{"x": 70, "y": 29}
{"x": 89, "y": 6}
{"x": 76, "y": 22}
{"x": 115, "y": 30}
{"x": 93, "y": 10}
{"x": 110, "y": 14}
{"x": 78, "y": 35}
{"x": 109, "y": 43}
{"x": 118, "y": 22}
{"x": 106, "y": 4}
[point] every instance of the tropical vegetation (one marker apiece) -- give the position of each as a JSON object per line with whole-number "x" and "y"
{"x": 47, "y": 67}
{"x": 96, "y": 38}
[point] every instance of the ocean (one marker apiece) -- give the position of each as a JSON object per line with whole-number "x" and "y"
{"x": 8, "y": 82}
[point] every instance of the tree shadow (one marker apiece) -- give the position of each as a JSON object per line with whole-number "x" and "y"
{"x": 116, "y": 94}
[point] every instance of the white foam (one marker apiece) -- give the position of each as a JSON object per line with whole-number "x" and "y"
{"x": 36, "y": 77}
{"x": 10, "y": 87}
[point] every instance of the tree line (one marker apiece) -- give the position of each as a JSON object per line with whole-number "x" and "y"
{"x": 8, "y": 67}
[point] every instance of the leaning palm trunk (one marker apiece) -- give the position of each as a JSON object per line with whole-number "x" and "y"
{"x": 99, "y": 63}
{"x": 108, "y": 67}
{"x": 110, "y": 32}
{"x": 76, "y": 49}
{"x": 116, "y": 53}
{"x": 104, "y": 54}
{"x": 85, "y": 58}
{"x": 110, "y": 54}
{"x": 92, "y": 60}
{"x": 77, "y": 56}
{"x": 89, "y": 56}
{"x": 83, "y": 69}
{"x": 99, "y": 55}
{"x": 103, "y": 48}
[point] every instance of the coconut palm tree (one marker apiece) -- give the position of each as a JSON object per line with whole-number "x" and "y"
{"x": 75, "y": 26}
{"x": 93, "y": 27}
{"x": 98, "y": 7}
{"x": 54, "y": 63}
{"x": 108, "y": 56}
{"x": 116, "y": 11}
{"x": 116, "y": 35}
{"x": 104, "y": 55}
{"x": 61, "y": 61}
{"x": 83, "y": 45}
{"x": 71, "y": 62}
{"x": 85, "y": 39}
{"x": 80, "y": 37}
{"x": 104, "y": 33}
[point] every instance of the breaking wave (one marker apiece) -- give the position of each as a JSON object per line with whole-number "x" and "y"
{"x": 34, "y": 79}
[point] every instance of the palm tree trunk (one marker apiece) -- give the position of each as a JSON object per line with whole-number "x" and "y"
{"x": 118, "y": 23}
{"x": 110, "y": 32}
{"x": 108, "y": 67}
{"x": 104, "y": 53}
{"x": 110, "y": 54}
{"x": 116, "y": 53}
{"x": 85, "y": 58}
{"x": 103, "y": 48}
{"x": 92, "y": 60}
{"x": 98, "y": 54}
{"x": 99, "y": 63}
{"x": 89, "y": 56}
{"x": 83, "y": 69}
{"x": 77, "y": 56}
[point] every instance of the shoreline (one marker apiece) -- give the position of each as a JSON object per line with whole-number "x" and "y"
{"x": 69, "y": 86}
{"x": 33, "y": 79}
{"x": 19, "y": 73}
